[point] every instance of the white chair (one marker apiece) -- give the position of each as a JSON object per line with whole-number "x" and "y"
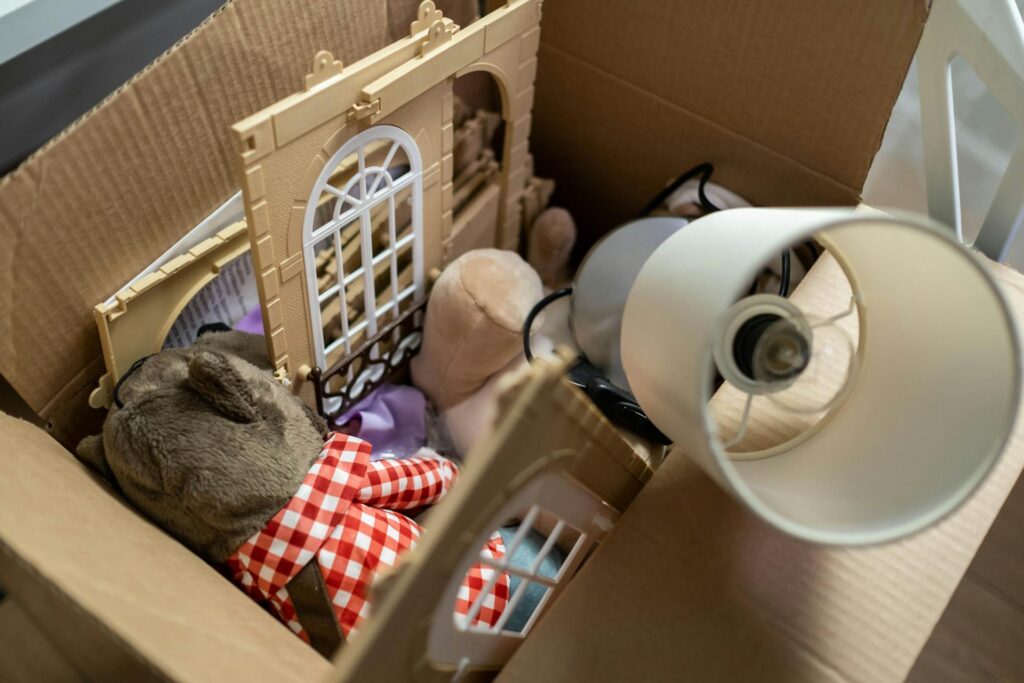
{"x": 989, "y": 34}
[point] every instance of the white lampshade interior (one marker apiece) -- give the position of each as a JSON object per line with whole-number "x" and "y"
{"x": 929, "y": 408}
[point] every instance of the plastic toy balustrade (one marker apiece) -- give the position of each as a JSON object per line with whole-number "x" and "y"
{"x": 351, "y": 200}
{"x": 382, "y": 178}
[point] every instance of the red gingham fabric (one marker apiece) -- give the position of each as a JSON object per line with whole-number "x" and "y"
{"x": 343, "y": 516}
{"x": 494, "y": 603}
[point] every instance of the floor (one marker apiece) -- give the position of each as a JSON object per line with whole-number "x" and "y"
{"x": 981, "y": 635}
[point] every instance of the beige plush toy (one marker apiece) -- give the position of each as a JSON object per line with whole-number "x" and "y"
{"x": 552, "y": 237}
{"x": 474, "y": 323}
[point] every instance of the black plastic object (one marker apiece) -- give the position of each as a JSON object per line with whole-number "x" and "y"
{"x": 750, "y": 334}
{"x": 213, "y": 327}
{"x": 745, "y": 341}
{"x": 617, "y": 404}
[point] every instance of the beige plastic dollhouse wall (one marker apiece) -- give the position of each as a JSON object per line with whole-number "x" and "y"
{"x": 363, "y": 154}
{"x": 355, "y": 190}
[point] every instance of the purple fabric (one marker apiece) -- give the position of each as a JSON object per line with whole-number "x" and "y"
{"x": 392, "y": 418}
{"x": 252, "y": 322}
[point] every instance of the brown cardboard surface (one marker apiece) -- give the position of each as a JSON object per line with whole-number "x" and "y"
{"x": 691, "y": 586}
{"x": 109, "y": 195}
{"x": 789, "y": 100}
{"x": 121, "y": 599}
{"x": 28, "y": 655}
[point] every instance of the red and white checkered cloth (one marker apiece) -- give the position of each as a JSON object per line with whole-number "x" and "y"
{"x": 343, "y": 515}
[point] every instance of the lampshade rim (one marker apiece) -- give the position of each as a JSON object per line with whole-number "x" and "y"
{"x": 727, "y": 469}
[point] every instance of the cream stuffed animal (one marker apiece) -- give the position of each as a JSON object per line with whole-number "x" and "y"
{"x": 474, "y": 323}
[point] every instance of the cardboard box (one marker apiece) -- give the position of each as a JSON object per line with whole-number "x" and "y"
{"x": 691, "y": 584}
{"x": 790, "y": 102}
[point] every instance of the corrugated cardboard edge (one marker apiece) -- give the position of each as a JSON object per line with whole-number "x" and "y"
{"x": 109, "y": 194}
{"x": 778, "y": 123}
{"x": 690, "y": 584}
{"x": 102, "y": 103}
{"x": 121, "y": 599}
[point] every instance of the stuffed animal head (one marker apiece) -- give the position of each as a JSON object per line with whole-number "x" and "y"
{"x": 206, "y": 442}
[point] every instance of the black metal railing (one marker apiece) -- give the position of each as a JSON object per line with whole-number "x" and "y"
{"x": 380, "y": 359}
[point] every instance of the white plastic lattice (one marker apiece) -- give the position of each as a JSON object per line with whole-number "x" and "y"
{"x": 370, "y": 186}
{"x": 557, "y": 510}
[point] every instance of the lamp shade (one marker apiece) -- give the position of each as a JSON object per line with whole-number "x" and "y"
{"x": 932, "y": 391}
{"x": 603, "y": 282}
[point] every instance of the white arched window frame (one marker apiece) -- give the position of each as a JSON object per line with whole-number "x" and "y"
{"x": 367, "y": 188}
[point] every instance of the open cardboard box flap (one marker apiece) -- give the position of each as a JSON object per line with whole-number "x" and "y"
{"x": 691, "y": 585}
{"x": 121, "y": 599}
{"x": 789, "y": 100}
{"x": 110, "y": 194}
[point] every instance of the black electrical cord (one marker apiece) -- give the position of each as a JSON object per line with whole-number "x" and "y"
{"x": 131, "y": 371}
{"x": 534, "y": 312}
{"x": 703, "y": 170}
{"x": 784, "y": 276}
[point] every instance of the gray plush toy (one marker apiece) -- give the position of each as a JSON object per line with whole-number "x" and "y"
{"x": 207, "y": 443}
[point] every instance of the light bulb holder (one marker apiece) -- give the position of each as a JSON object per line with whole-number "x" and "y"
{"x": 740, "y": 330}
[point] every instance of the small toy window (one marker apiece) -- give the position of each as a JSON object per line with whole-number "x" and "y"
{"x": 363, "y": 245}
{"x": 520, "y": 567}
{"x": 532, "y": 547}
{"x": 477, "y": 151}
{"x": 228, "y": 298}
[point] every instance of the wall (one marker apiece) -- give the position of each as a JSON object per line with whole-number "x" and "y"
{"x": 48, "y": 87}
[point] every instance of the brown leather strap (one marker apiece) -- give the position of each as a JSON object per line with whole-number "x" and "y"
{"x": 314, "y": 610}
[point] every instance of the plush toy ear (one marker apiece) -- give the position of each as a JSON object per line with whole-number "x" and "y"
{"x": 248, "y": 347}
{"x": 318, "y": 422}
{"x": 213, "y": 377}
{"x": 90, "y": 452}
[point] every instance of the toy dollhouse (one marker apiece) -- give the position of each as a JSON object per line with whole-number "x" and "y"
{"x": 358, "y": 170}
{"x": 352, "y": 200}
{"x": 356, "y": 191}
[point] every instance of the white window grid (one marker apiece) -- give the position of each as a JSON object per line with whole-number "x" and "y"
{"x": 571, "y": 512}
{"x": 369, "y": 187}
{"x": 529, "y": 575}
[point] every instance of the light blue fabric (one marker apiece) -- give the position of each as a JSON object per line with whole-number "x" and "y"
{"x": 523, "y": 558}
